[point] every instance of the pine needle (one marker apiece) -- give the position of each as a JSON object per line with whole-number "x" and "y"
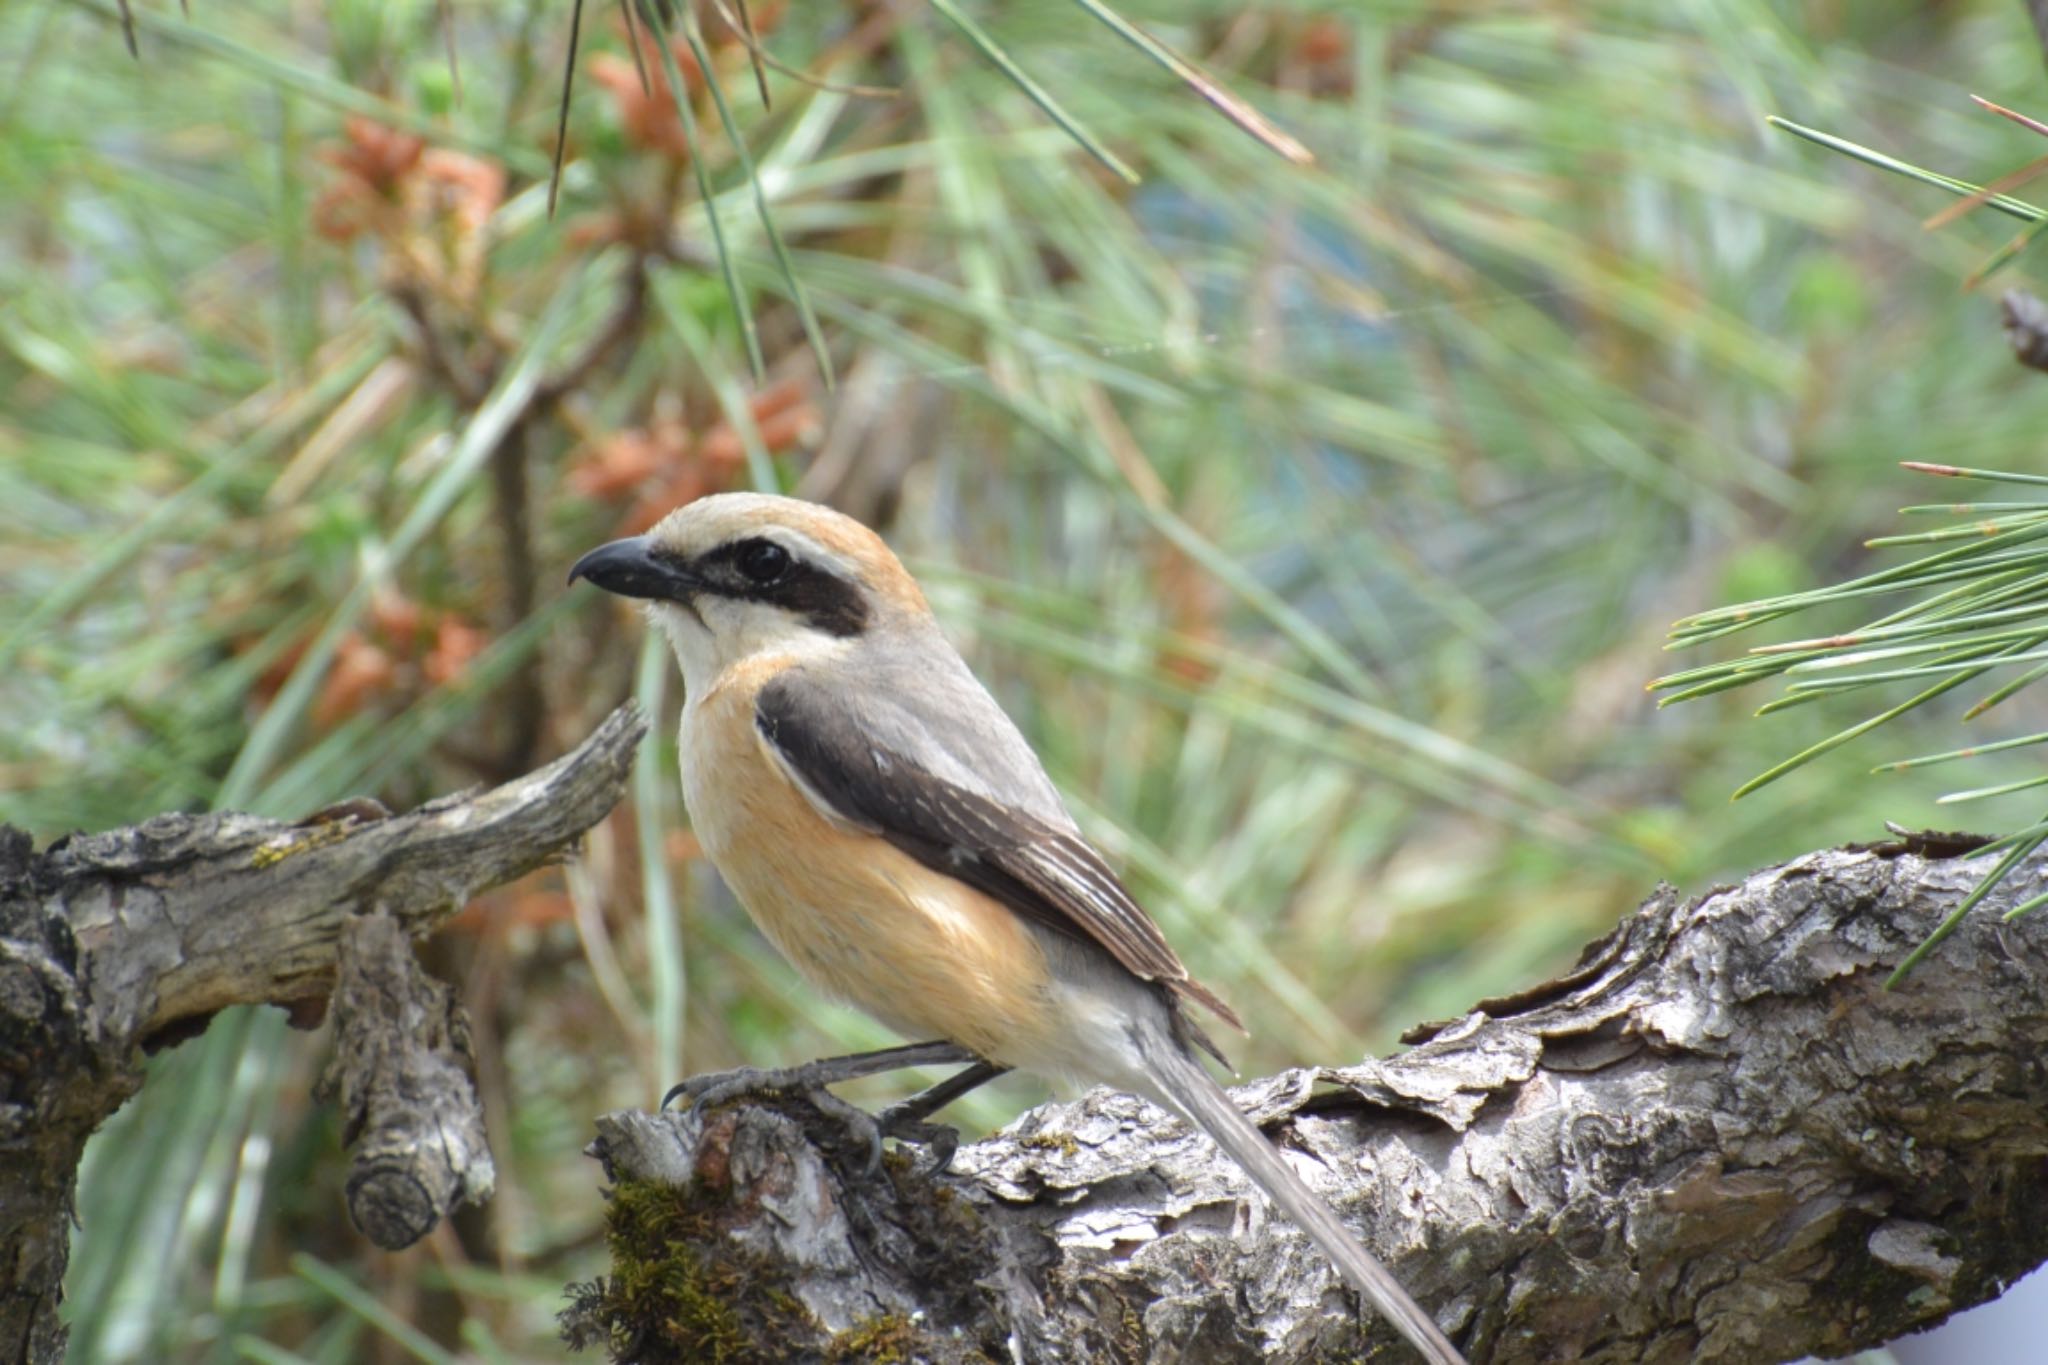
{"x": 1231, "y": 107}
{"x": 562, "y": 120}
{"x": 1038, "y": 94}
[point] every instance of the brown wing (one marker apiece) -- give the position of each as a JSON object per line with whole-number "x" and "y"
{"x": 1046, "y": 873}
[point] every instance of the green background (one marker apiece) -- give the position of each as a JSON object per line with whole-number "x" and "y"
{"x": 1320, "y": 526}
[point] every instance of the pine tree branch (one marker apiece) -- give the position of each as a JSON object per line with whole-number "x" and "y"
{"x": 119, "y": 943}
{"x": 1718, "y": 1138}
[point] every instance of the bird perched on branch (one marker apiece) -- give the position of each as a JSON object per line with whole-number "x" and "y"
{"x": 888, "y": 828}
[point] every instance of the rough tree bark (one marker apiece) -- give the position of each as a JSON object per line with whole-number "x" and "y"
{"x": 112, "y": 945}
{"x": 1717, "y": 1138}
{"x": 402, "y": 1073}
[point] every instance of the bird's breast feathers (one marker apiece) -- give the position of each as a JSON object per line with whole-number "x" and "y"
{"x": 923, "y": 952}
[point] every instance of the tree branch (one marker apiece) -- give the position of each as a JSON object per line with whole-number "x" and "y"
{"x": 114, "y": 944}
{"x": 1717, "y": 1138}
{"x": 403, "y": 1075}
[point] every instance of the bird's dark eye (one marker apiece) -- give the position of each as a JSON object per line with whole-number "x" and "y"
{"x": 762, "y": 561}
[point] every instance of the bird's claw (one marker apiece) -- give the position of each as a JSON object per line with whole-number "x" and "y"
{"x": 867, "y": 1131}
{"x": 940, "y": 1140}
{"x": 714, "y": 1088}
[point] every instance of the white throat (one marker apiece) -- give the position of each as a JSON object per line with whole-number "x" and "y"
{"x": 721, "y": 633}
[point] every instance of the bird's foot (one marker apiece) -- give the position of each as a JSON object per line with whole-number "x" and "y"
{"x": 714, "y": 1088}
{"x": 904, "y": 1121}
{"x": 941, "y": 1140}
{"x": 898, "y": 1122}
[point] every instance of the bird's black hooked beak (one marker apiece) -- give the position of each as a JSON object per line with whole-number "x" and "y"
{"x": 635, "y": 568}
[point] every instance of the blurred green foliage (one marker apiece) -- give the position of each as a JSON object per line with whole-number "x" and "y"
{"x": 1320, "y": 525}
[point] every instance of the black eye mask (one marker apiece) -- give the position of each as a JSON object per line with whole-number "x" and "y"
{"x": 761, "y": 570}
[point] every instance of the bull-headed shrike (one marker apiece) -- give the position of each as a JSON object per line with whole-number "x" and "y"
{"x": 892, "y": 833}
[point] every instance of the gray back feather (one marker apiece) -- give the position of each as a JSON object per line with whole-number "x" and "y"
{"x": 920, "y": 700}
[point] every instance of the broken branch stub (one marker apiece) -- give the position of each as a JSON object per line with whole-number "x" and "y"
{"x": 403, "y": 1075}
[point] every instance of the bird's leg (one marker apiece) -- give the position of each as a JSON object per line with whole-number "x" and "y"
{"x": 716, "y": 1087}
{"x": 811, "y": 1079}
{"x": 905, "y": 1119}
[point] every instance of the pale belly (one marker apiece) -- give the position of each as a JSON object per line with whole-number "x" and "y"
{"x": 927, "y": 955}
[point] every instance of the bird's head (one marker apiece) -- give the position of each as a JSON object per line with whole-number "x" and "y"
{"x": 737, "y": 575}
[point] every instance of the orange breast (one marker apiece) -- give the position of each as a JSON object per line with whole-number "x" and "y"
{"x": 927, "y": 955}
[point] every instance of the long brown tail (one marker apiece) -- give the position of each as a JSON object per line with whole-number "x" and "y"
{"x": 1202, "y": 1100}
